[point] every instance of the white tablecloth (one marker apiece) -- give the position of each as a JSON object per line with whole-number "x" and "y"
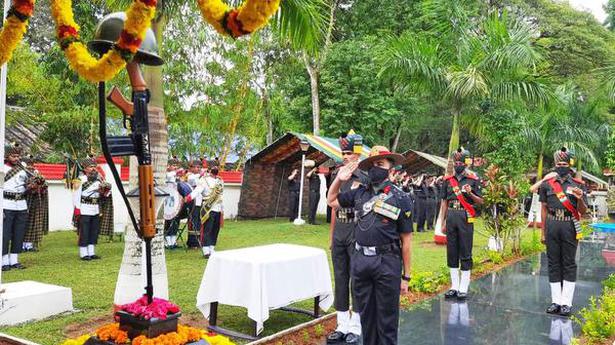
{"x": 264, "y": 278}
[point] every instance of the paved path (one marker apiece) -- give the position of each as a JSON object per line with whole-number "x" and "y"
{"x": 506, "y": 307}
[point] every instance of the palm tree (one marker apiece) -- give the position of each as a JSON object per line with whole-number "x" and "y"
{"x": 571, "y": 121}
{"x": 464, "y": 61}
{"x": 298, "y": 22}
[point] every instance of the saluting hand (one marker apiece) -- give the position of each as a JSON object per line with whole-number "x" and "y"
{"x": 346, "y": 171}
{"x": 467, "y": 188}
{"x": 577, "y": 192}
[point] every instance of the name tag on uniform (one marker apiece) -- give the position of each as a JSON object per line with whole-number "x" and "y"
{"x": 386, "y": 210}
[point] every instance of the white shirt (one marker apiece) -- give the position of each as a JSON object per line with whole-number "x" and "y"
{"x": 194, "y": 182}
{"x": 171, "y": 177}
{"x": 17, "y": 184}
{"x": 91, "y": 192}
{"x": 210, "y": 183}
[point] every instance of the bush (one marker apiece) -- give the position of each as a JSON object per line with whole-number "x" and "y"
{"x": 428, "y": 282}
{"x": 598, "y": 319}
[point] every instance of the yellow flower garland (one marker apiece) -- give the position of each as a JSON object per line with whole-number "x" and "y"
{"x": 14, "y": 27}
{"x": 247, "y": 18}
{"x": 138, "y": 20}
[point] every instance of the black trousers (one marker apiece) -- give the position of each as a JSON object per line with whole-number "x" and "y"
{"x": 212, "y": 229}
{"x": 314, "y": 199}
{"x": 430, "y": 213}
{"x": 293, "y": 205}
{"x": 195, "y": 222}
{"x": 89, "y": 228}
{"x": 460, "y": 238}
{"x": 561, "y": 250}
{"x": 341, "y": 256}
{"x": 376, "y": 286}
{"x": 14, "y": 224}
{"x": 421, "y": 213}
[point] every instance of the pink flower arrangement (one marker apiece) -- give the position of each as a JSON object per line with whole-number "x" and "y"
{"x": 158, "y": 309}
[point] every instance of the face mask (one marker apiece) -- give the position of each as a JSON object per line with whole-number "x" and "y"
{"x": 93, "y": 176}
{"x": 377, "y": 175}
{"x": 460, "y": 169}
{"x": 562, "y": 171}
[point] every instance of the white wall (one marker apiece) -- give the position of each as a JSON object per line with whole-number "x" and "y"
{"x": 61, "y": 203}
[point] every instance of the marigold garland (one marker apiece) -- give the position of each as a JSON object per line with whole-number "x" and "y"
{"x": 184, "y": 335}
{"x": 14, "y": 27}
{"x": 138, "y": 20}
{"x": 247, "y": 18}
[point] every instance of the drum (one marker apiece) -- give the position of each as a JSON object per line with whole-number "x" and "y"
{"x": 173, "y": 203}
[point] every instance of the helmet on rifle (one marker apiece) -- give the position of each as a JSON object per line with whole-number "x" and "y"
{"x": 108, "y": 32}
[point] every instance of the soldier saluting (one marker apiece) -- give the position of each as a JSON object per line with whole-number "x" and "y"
{"x": 383, "y": 233}
{"x": 564, "y": 201}
{"x": 461, "y": 193}
{"x": 342, "y": 246}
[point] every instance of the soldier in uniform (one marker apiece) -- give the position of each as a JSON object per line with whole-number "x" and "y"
{"x": 15, "y": 208}
{"x": 383, "y": 234}
{"x": 314, "y": 181}
{"x": 37, "y": 198}
{"x": 86, "y": 199}
{"x": 171, "y": 227}
{"x": 193, "y": 179}
{"x": 431, "y": 192}
{"x": 420, "y": 206}
{"x": 342, "y": 247}
{"x": 461, "y": 192}
{"x": 293, "y": 194}
{"x": 564, "y": 202}
{"x": 214, "y": 214}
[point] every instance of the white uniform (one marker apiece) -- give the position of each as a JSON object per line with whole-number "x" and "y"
{"x": 16, "y": 185}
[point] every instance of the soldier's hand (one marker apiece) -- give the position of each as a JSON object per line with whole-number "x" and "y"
{"x": 404, "y": 287}
{"x": 346, "y": 171}
{"x": 543, "y": 240}
{"x": 467, "y": 188}
{"x": 577, "y": 192}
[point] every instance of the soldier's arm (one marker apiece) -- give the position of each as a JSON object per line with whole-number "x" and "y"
{"x": 334, "y": 192}
{"x": 406, "y": 252}
{"x": 543, "y": 220}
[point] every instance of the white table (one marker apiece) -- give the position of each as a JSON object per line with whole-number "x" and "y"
{"x": 265, "y": 278}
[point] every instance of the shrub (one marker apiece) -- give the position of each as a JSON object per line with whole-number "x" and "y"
{"x": 598, "y": 319}
{"x": 428, "y": 282}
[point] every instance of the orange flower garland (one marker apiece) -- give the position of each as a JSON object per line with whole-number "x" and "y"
{"x": 14, "y": 27}
{"x": 112, "y": 333}
{"x": 138, "y": 20}
{"x": 247, "y": 18}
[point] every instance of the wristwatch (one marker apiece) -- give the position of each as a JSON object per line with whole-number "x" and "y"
{"x": 405, "y": 278}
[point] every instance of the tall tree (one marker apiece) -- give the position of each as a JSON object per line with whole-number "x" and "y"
{"x": 465, "y": 60}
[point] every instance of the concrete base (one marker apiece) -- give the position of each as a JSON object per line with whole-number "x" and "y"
{"x": 29, "y": 301}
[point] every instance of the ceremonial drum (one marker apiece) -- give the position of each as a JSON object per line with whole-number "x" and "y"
{"x": 173, "y": 203}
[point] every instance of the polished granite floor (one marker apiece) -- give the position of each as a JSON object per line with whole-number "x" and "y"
{"x": 507, "y": 307}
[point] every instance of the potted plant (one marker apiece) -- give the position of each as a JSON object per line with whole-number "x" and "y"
{"x": 151, "y": 320}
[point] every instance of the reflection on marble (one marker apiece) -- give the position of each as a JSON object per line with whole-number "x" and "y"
{"x": 506, "y": 307}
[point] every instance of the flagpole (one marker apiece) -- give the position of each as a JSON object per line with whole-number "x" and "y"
{"x": 3, "y": 71}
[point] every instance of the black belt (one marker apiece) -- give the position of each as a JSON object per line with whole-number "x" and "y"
{"x": 89, "y": 201}
{"x": 14, "y": 196}
{"x": 377, "y": 250}
{"x": 560, "y": 214}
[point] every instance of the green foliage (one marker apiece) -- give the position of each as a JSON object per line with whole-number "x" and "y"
{"x": 305, "y": 335}
{"x": 609, "y": 282}
{"x": 610, "y": 200}
{"x": 319, "y": 330}
{"x": 532, "y": 246}
{"x": 597, "y": 321}
{"x": 428, "y": 282}
{"x": 610, "y": 152}
{"x": 495, "y": 257}
{"x": 502, "y": 218}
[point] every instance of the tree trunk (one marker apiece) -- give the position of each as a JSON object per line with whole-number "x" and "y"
{"x": 159, "y": 135}
{"x": 314, "y": 73}
{"x": 396, "y": 141}
{"x": 268, "y": 115}
{"x": 539, "y": 170}
{"x": 237, "y": 108}
{"x": 579, "y": 169}
{"x": 454, "y": 143}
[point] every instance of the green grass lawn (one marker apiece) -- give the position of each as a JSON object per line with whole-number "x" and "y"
{"x": 93, "y": 283}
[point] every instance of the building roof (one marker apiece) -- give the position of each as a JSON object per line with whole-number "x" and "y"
{"x": 287, "y": 149}
{"x": 418, "y": 161}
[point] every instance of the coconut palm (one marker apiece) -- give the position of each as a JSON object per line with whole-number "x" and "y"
{"x": 298, "y": 22}
{"x": 464, "y": 61}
